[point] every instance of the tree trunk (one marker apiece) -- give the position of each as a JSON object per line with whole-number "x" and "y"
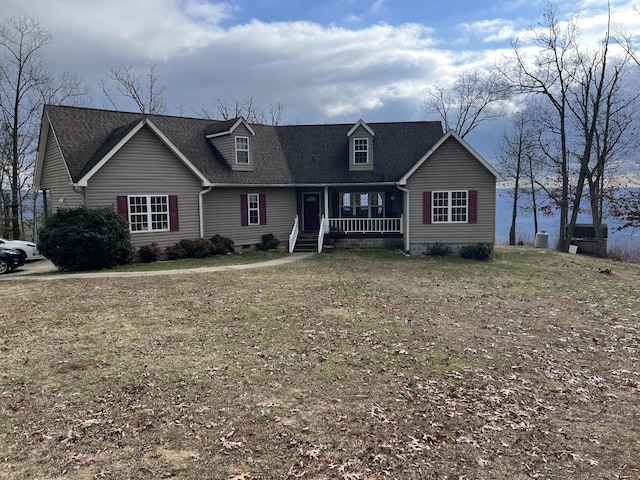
{"x": 514, "y": 212}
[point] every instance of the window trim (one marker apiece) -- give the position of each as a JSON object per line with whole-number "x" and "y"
{"x": 449, "y": 208}
{"x": 245, "y": 211}
{"x": 239, "y": 150}
{"x": 355, "y": 204}
{"x": 253, "y": 209}
{"x": 149, "y": 214}
{"x": 361, "y": 145}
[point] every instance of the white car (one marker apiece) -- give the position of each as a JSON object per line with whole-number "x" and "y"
{"x": 28, "y": 250}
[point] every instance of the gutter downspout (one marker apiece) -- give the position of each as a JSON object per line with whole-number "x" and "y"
{"x": 406, "y": 216}
{"x": 82, "y": 191}
{"x": 200, "y": 208}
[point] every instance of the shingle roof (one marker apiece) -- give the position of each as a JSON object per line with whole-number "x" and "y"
{"x": 296, "y": 154}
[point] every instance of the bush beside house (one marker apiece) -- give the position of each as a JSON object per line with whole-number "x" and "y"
{"x": 83, "y": 238}
{"x": 200, "y": 247}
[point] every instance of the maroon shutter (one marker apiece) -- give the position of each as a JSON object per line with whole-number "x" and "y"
{"x": 335, "y": 205}
{"x": 173, "y": 213}
{"x": 473, "y": 206}
{"x": 123, "y": 207}
{"x": 426, "y": 208}
{"x": 244, "y": 211}
{"x": 263, "y": 209}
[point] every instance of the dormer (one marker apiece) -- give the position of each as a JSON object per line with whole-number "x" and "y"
{"x": 232, "y": 138}
{"x": 360, "y": 147}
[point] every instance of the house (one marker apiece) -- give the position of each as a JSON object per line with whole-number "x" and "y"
{"x": 403, "y": 184}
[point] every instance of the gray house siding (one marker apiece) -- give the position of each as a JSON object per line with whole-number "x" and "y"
{"x": 226, "y": 145}
{"x": 451, "y": 168}
{"x": 222, "y": 214}
{"x": 361, "y": 132}
{"x": 145, "y": 166}
{"x": 55, "y": 178}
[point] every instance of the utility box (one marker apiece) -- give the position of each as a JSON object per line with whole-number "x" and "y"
{"x": 542, "y": 239}
{"x": 584, "y": 236}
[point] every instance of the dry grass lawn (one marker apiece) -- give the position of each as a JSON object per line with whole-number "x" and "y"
{"x": 353, "y": 366}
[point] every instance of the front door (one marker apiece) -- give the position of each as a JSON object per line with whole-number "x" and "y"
{"x": 311, "y": 215}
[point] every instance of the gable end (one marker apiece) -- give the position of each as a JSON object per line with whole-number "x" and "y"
{"x": 361, "y": 139}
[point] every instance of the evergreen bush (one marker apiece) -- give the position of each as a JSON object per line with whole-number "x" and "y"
{"x": 478, "y": 251}
{"x": 222, "y": 245}
{"x": 150, "y": 253}
{"x": 269, "y": 242}
{"x": 197, "y": 248}
{"x": 83, "y": 238}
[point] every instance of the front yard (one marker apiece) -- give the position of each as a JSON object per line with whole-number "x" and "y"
{"x": 355, "y": 366}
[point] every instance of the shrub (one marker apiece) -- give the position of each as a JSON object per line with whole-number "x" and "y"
{"x": 222, "y": 245}
{"x": 150, "y": 253}
{"x": 269, "y": 242}
{"x": 332, "y": 236}
{"x": 198, "y": 248}
{"x": 85, "y": 239}
{"x": 479, "y": 251}
{"x": 439, "y": 250}
{"x": 173, "y": 252}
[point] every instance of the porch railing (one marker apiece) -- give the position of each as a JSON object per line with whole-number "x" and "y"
{"x": 293, "y": 237}
{"x": 367, "y": 225}
{"x": 324, "y": 228}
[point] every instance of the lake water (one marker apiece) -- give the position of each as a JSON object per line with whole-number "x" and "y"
{"x": 524, "y": 225}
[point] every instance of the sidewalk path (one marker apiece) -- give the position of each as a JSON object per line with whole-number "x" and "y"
{"x": 39, "y": 271}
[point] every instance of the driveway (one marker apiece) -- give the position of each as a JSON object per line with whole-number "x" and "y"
{"x": 38, "y": 270}
{"x": 30, "y": 268}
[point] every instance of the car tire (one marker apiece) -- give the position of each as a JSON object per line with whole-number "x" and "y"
{"x": 4, "y": 266}
{"x": 23, "y": 253}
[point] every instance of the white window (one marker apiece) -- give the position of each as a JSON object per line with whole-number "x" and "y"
{"x": 148, "y": 213}
{"x": 376, "y": 205}
{"x": 242, "y": 150}
{"x": 360, "y": 151}
{"x": 253, "y": 204}
{"x": 450, "y": 207}
{"x": 362, "y": 205}
{"x": 345, "y": 205}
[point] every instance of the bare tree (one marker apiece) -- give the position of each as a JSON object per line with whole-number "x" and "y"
{"x": 276, "y": 113}
{"x": 624, "y": 204}
{"x": 605, "y": 110}
{"x": 247, "y": 109}
{"x": 146, "y": 93}
{"x": 472, "y": 99}
{"x": 25, "y": 86}
{"x": 551, "y": 75}
{"x": 589, "y": 113}
{"x": 517, "y": 155}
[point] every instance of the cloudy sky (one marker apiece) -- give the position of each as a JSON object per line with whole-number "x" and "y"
{"x": 323, "y": 60}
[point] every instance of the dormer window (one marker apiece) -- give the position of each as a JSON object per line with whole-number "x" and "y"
{"x": 231, "y": 139}
{"x": 360, "y": 151}
{"x": 360, "y": 147}
{"x": 242, "y": 150}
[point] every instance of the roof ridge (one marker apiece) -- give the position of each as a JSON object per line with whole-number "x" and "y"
{"x": 125, "y": 112}
{"x": 232, "y": 120}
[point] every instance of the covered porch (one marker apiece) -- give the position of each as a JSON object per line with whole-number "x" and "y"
{"x": 348, "y": 211}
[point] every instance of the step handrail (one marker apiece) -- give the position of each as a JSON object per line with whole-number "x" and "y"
{"x": 293, "y": 237}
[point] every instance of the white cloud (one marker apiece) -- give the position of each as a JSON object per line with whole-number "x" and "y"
{"x": 317, "y": 72}
{"x": 153, "y": 29}
{"x": 376, "y": 6}
{"x": 496, "y": 30}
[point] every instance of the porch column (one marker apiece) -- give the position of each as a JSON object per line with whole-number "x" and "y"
{"x": 326, "y": 202}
